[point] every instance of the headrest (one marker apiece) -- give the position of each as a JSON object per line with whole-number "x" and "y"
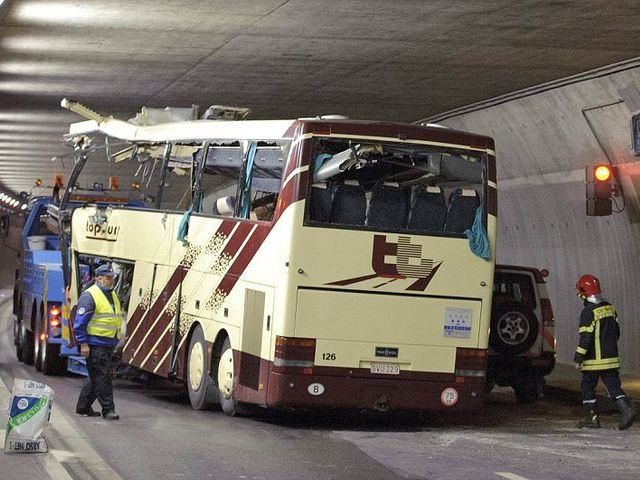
{"x": 467, "y": 192}
{"x": 433, "y": 189}
{"x": 319, "y": 185}
{"x": 105, "y": 271}
{"x": 354, "y": 183}
{"x": 391, "y": 184}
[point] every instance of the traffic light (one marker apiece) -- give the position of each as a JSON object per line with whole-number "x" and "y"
{"x": 599, "y": 190}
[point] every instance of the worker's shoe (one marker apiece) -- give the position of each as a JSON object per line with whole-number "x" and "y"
{"x": 88, "y": 413}
{"x": 111, "y": 416}
{"x": 628, "y": 413}
{"x": 591, "y": 420}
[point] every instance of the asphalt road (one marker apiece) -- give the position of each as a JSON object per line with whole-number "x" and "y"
{"x": 159, "y": 436}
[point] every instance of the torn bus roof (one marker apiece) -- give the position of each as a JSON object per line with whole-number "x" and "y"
{"x": 185, "y": 131}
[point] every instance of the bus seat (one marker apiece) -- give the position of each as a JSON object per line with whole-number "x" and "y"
{"x": 320, "y": 202}
{"x": 428, "y": 209}
{"x": 225, "y": 206}
{"x": 349, "y": 204}
{"x": 461, "y": 212}
{"x": 388, "y": 207}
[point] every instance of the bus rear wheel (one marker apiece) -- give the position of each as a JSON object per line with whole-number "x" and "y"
{"x": 226, "y": 382}
{"x": 199, "y": 383}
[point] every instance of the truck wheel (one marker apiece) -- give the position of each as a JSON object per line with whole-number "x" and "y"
{"x": 199, "y": 383}
{"x": 49, "y": 359}
{"x": 514, "y": 328}
{"x": 37, "y": 344}
{"x": 26, "y": 342}
{"x": 526, "y": 394}
{"x": 18, "y": 342}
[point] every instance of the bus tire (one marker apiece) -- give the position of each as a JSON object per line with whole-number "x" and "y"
{"x": 514, "y": 328}
{"x": 199, "y": 383}
{"x": 226, "y": 381}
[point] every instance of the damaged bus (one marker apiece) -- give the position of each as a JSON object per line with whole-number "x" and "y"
{"x": 296, "y": 264}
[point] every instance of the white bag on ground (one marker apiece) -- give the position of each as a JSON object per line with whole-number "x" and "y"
{"x": 29, "y": 412}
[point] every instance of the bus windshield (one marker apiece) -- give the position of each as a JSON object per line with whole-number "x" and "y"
{"x": 374, "y": 185}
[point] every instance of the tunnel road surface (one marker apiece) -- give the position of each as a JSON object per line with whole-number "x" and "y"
{"x": 160, "y": 436}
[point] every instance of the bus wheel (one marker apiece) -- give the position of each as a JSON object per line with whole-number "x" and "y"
{"x": 226, "y": 380}
{"x": 199, "y": 383}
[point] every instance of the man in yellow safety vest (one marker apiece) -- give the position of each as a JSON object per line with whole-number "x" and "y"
{"x": 97, "y": 330}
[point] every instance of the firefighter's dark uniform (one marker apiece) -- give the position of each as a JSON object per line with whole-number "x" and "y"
{"x": 98, "y": 323}
{"x": 597, "y": 351}
{"x": 597, "y": 355}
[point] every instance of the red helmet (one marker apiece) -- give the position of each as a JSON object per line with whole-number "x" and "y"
{"x": 588, "y": 285}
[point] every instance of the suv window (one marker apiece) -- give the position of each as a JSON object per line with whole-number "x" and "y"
{"x": 515, "y": 287}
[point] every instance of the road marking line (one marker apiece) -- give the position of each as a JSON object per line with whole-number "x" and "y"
{"x": 510, "y": 476}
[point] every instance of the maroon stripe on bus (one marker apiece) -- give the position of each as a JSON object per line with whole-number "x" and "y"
{"x": 150, "y": 343}
{"x": 243, "y": 259}
{"x": 224, "y": 229}
{"x": 160, "y": 302}
{"x": 349, "y": 281}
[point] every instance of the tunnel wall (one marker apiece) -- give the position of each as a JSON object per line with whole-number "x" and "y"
{"x": 544, "y": 138}
{"x": 9, "y": 248}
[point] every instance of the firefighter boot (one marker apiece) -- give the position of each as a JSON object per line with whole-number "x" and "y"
{"x": 591, "y": 420}
{"x": 628, "y": 413}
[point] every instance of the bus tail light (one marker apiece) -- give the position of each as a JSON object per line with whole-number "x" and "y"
{"x": 54, "y": 320}
{"x": 547, "y": 312}
{"x": 470, "y": 362}
{"x": 295, "y": 354}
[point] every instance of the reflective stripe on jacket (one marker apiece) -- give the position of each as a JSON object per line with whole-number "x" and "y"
{"x": 105, "y": 322}
{"x": 599, "y": 333}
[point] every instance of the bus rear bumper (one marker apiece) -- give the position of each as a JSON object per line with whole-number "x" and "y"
{"x": 382, "y": 394}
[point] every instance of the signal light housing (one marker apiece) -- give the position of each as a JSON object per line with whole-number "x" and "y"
{"x": 54, "y": 320}
{"x": 600, "y": 189}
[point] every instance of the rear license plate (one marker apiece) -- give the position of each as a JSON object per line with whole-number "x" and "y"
{"x": 385, "y": 368}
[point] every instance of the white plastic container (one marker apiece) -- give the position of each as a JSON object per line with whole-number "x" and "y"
{"x": 37, "y": 242}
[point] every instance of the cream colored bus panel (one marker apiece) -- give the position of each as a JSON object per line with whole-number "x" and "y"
{"x": 388, "y": 320}
{"x": 127, "y": 234}
{"x": 417, "y": 358}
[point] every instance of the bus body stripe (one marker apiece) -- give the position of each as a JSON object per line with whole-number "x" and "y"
{"x": 151, "y": 340}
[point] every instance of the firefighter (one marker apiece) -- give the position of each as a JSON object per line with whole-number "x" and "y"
{"x": 97, "y": 330}
{"x": 597, "y": 353}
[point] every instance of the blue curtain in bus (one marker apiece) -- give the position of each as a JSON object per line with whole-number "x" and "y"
{"x": 477, "y": 235}
{"x": 245, "y": 203}
{"x": 183, "y": 228}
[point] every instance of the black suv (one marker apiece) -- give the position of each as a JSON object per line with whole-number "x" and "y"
{"x": 521, "y": 341}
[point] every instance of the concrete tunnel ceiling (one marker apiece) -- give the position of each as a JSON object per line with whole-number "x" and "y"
{"x": 370, "y": 59}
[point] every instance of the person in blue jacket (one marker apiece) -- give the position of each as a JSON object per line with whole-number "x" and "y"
{"x": 97, "y": 328}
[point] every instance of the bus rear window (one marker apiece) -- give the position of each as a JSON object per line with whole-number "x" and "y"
{"x": 394, "y": 187}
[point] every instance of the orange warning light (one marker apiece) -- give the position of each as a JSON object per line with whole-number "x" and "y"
{"x": 602, "y": 173}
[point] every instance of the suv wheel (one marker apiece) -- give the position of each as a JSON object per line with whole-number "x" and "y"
{"x": 514, "y": 328}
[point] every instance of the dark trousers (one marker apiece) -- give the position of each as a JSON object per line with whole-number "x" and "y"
{"x": 98, "y": 385}
{"x": 611, "y": 380}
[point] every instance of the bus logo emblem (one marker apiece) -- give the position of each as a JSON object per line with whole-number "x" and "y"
{"x": 398, "y": 261}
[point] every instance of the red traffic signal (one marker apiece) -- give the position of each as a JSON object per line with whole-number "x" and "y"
{"x": 599, "y": 189}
